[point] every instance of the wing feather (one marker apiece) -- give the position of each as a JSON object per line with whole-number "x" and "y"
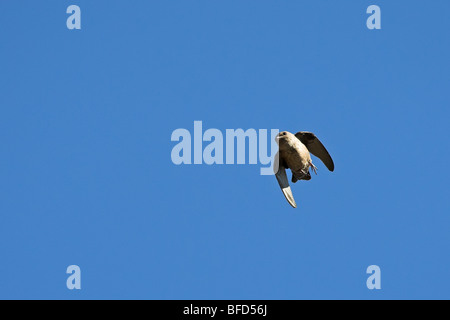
{"x": 284, "y": 183}
{"x": 316, "y": 147}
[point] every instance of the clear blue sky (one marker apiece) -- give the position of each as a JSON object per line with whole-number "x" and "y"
{"x": 86, "y": 176}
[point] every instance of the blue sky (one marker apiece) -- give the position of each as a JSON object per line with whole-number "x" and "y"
{"x": 86, "y": 175}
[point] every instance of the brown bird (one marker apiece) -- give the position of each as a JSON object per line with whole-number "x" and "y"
{"x": 294, "y": 153}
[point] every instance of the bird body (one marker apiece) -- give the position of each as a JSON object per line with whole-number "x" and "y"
{"x": 295, "y": 153}
{"x": 295, "y": 156}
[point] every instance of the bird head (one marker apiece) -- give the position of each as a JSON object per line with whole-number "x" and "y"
{"x": 282, "y": 137}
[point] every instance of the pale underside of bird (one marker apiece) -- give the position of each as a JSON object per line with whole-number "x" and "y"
{"x": 295, "y": 153}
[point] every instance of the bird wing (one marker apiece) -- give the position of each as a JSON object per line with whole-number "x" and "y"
{"x": 284, "y": 182}
{"x": 316, "y": 147}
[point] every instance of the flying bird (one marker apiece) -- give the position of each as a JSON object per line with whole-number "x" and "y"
{"x": 294, "y": 152}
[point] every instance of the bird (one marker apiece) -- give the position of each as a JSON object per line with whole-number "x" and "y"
{"x": 294, "y": 152}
